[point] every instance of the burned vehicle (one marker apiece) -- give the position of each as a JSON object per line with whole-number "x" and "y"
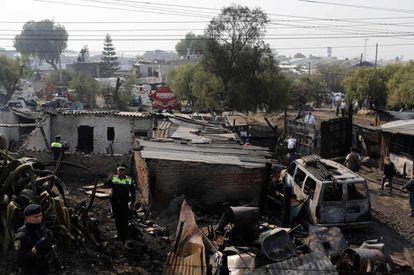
{"x": 334, "y": 195}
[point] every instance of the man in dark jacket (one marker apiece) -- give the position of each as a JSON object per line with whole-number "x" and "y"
{"x": 58, "y": 147}
{"x": 389, "y": 173}
{"x": 123, "y": 192}
{"x": 410, "y": 188}
{"x": 32, "y": 243}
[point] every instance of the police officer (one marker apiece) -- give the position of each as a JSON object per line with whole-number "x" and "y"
{"x": 123, "y": 192}
{"x": 58, "y": 147}
{"x": 32, "y": 243}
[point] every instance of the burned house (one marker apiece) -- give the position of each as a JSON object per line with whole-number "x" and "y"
{"x": 15, "y": 126}
{"x": 207, "y": 174}
{"x": 97, "y": 132}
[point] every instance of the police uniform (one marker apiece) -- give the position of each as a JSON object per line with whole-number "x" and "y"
{"x": 123, "y": 192}
{"x": 57, "y": 148}
{"x": 29, "y": 236}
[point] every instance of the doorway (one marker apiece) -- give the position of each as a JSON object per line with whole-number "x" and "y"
{"x": 85, "y": 139}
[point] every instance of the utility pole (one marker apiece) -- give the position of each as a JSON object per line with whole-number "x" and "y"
{"x": 60, "y": 70}
{"x": 376, "y": 55}
{"x": 365, "y": 49}
{"x": 309, "y": 69}
{"x": 360, "y": 60}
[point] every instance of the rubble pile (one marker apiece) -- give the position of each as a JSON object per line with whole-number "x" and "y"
{"x": 240, "y": 242}
{"x": 81, "y": 223}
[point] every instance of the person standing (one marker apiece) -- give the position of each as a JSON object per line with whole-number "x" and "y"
{"x": 58, "y": 147}
{"x": 310, "y": 119}
{"x": 123, "y": 192}
{"x": 353, "y": 161}
{"x": 291, "y": 147}
{"x": 343, "y": 108}
{"x": 389, "y": 173}
{"x": 32, "y": 243}
{"x": 410, "y": 188}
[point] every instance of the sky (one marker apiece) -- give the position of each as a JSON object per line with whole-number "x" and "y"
{"x": 306, "y": 26}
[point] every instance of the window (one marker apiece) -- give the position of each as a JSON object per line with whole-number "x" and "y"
{"x": 291, "y": 169}
{"x": 110, "y": 133}
{"x": 356, "y": 191}
{"x": 300, "y": 177}
{"x": 310, "y": 186}
{"x": 333, "y": 192}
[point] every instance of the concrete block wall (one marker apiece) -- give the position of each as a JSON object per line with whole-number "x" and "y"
{"x": 67, "y": 127}
{"x": 204, "y": 185}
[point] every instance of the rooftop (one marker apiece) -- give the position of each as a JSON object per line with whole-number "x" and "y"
{"x": 404, "y": 127}
{"x": 227, "y": 154}
{"x": 99, "y": 113}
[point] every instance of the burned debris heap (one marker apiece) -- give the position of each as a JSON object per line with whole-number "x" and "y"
{"x": 251, "y": 214}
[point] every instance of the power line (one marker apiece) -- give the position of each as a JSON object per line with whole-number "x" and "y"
{"x": 268, "y": 35}
{"x": 357, "y": 6}
{"x": 408, "y": 34}
{"x": 277, "y": 48}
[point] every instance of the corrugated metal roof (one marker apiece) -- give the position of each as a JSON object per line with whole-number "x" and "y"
{"x": 212, "y": 155}
{"x": 104, "y": 113}
{"x": 405, "y": 127}
{"x": 189, "y": 255}
{"x": 312, "y": 263}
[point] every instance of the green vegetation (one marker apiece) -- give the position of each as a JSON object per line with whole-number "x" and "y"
{"x": 110, "y": 63}
{"x": 191, "y": 42}
{"x": 43, "y": 39}
{"x": 237, "y": 69}
{"x": 10, "y": 73}
{"x": 391, "y": 85}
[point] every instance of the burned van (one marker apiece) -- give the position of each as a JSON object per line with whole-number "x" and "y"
{"x": 335, "y": 195}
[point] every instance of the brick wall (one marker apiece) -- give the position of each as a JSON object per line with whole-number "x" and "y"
{"x": 205, "y": 185}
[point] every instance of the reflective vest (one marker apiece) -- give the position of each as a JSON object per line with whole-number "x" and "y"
{"x": 57, "y": 144}
{"x": 125, "y": 181}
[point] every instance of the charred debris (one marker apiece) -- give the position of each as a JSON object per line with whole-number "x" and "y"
{"x": 212, "y": 199}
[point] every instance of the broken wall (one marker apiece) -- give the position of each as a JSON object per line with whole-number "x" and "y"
{"x": 36, "y": 140}
{"x": 203, "y": 184}
{"x": 100, "y": 164}
{"x": 9, "y": 133}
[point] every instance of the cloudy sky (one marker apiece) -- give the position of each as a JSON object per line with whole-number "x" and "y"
{"x": 297, "y": 25}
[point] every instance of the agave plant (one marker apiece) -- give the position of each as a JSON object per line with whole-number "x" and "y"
{"x": 24, "y": 181}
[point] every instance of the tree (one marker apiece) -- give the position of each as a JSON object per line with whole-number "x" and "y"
{"x": 235, "y": 52}
{"x": 401, "y": 86}
{"x": 299, "y": 55}
{"x": 83, "y": 54}
{"x": 333, "y": 74}
{"x": 191, "y": 42}
{"x": 109, "y": 59}
{"x": 307, "y": 89}
{"x": 10, "y": 73}
{"x": 43, "y": 39}
{"x": 201, "y": 88}
{"x": 85, "y": 89}
{"x": 365, "y": 83}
